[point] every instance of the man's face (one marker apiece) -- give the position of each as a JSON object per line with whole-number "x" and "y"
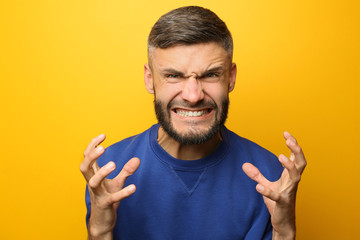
{"x": 191, "y": 84}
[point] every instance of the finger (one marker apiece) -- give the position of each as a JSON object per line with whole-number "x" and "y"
{"x": 129, "y": 168}
{"x": 253, "y": 172}
{"x": 296, "y": 152}
{"x": 100, "y": 175}
{"x": 290, "y": 167}
{"x": 89, "y": 166}
{"x": 267, "y": 192}
{"x": 94, "y": 143}
{"x": 123, "y": 193}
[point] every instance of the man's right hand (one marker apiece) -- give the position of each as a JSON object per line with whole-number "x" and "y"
{"x": 105, "y": 194}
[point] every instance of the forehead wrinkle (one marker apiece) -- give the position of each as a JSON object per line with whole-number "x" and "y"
{"x": 190, "y": 59}
{"x": 200, "y": 66}
{"x": 208, "y": 69}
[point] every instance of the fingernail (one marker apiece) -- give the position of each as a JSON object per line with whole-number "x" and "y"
{"x": 260, "y": 188}
{"x": 131, "y": 187}
{"x": 283, "y": 158}
{"x": 110, "y": 165}
{"x": 99, "y": 148}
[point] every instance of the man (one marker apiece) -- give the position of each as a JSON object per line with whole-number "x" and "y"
{"x": 191, "y": 183}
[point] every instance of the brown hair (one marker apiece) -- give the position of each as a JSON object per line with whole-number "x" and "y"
{"x": 189, "y": 25}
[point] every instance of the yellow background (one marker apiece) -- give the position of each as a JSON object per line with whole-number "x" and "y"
{"x": 73, "y": 69}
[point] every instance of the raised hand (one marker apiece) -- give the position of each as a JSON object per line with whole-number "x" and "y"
{"x": 105, "y": 194}
{"x": 280, "y": 196}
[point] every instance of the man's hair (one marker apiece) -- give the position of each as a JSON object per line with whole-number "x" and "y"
{"x": 187, "y": 26}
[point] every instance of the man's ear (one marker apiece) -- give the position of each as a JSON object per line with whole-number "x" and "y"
{"x": 232, "y": 77}
{"x": 148, "y": 78}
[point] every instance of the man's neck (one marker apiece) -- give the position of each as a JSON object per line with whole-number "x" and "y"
{"x": 187, "y": 152}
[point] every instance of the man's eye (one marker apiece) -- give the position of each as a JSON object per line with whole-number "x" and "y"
{"x": 211, "y": 75}
{"x": 172, "y": 76}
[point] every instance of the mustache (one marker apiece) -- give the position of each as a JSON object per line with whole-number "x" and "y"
{"x": 201, "y": 104}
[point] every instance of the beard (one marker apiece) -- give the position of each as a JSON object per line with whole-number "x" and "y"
{"x": 192, "y": 137}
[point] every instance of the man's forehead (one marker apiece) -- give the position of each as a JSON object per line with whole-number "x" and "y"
{"x": 184, "y": 58}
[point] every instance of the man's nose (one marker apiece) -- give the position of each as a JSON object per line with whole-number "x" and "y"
{"x": 192, "y": 91}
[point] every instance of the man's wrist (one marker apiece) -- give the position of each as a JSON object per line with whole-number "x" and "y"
{"x": 96, "y": 234}
{"x": 288, "y": 234}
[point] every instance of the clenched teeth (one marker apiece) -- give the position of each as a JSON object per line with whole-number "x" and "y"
{"x": 191, "y": 113}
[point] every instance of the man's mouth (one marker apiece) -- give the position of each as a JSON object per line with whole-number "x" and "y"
{"x": 194, "y": 113}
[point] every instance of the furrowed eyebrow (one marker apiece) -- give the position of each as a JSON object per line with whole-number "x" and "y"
{"x": 219, "y": 70}
{"x": 172, "y": 71}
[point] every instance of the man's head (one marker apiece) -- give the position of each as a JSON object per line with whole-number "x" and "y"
{"x": 187, "y": 26}
{"x": 190, "y": 72}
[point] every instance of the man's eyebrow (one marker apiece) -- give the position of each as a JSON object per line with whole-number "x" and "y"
{"x": 172, "y": 71}
{"x": 219, "y": 69}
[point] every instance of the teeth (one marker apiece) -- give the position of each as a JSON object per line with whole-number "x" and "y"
{"x": 190, "y": 113}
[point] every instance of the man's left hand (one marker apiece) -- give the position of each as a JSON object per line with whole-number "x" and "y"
{"x": 280, "y": 196}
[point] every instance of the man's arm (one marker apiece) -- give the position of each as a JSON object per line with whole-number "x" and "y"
{"x": 280, "y": 196}
{"x": 105, "y": 194}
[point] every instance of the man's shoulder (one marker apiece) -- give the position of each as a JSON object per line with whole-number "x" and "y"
{"x": 132, "y": 140}
{"x": 241, "y": 142}
{"x": 251, "y": 152}
{"x": 126, "y": 148}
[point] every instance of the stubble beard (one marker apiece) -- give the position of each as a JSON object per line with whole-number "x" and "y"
{"x": 192, "y": 137}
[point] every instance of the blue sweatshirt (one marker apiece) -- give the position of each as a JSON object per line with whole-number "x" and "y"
{"x": 209, "y": 198}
